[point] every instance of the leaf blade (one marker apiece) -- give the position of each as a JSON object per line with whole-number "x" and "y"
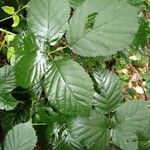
{"x": 9, "y": 10}
{"x": 109, "y": 87}
{"x": 21, "y": 137}
{"x": 70, "y": 91}
{"x": 50, "y": 21}
{"x": 93, "y": 132}
{"x": 131, "y": 117}
{"x": 109, "y": 33}
{"x": 7, "y": 79}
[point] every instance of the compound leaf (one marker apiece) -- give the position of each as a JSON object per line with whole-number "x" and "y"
{"x": 113, "y": 26}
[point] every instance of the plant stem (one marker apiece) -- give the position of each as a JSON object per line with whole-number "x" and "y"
{"x": 58, "y": 49}
{"x": 2, "y": 44}
{"x": 14, "y": 13}
{"x": 8, "y": 32}
{"x": 39, "y": 124}
{"x": 31, "y": 109}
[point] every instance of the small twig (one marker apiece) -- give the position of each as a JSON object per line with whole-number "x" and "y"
{"x": 14, "y": 13}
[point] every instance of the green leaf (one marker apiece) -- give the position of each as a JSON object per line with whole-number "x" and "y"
{"x": 144, "y": 145}
{"x": 113, "y": 29}
{"x": 9, "y": 38}
{"x": 10, "y": 53}
{"x": 16, "y": 21}
{"x": 48, "y": 18}
{"x": 136, "y": 2}
{"x": 21, "y": 137}
{"x": 93, "y": 132}
{"x": 9, "y": 10}
{"x": 67, "y": 142}
{"x": 7, "y": 79}
{"x": 141, "y": 37}
{"x": 131, "y": 117}
{"x": 45, "y": 115}
{"x": 68, "y": 86}
{"x": 125, "y": 140}
{"x": 7, "y": 102}
{"x": 109, "y": 86}
{"x": 30, "y": 69}
{"x": 146, "y": 131}
{"x": 31, "y": 62}
{"x": 76, "y": 3}
{"x": 24, "y": 43}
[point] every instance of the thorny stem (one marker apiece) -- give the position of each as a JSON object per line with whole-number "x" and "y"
{"x": 14, "y": 13}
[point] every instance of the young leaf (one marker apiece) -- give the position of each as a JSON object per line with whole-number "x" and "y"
{"x": 131, "y": 117}
{"x": 7, "y": 79}
{"x": 114, "y": 28}
{"x": 68, "y": 86}
{"x": 109, "y": 86}
{"x": 48, "y": 18}
{"x": 16, "y": 21}
{"x": 9, "y": 10}
{"x": 7, "y": 102}
{"x": 10, "y": 53}
{"x": 21, "y": 137}
{"x": 9, "y": 38}
{"x": 93, "y": 132}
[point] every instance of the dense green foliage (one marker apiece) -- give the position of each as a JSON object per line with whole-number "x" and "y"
{"x": 74, "y": 75}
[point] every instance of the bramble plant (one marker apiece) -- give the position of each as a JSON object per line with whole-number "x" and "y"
{"x": 57, "y": 86}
